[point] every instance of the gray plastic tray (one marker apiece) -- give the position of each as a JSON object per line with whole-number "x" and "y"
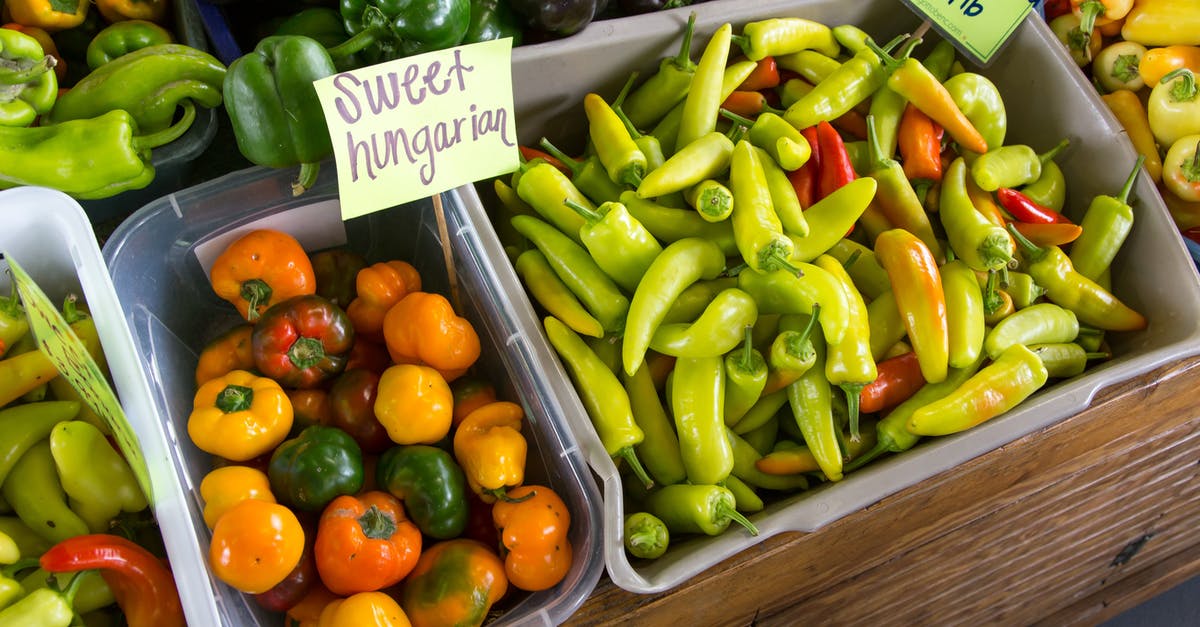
{"x": 1047, "y": 98}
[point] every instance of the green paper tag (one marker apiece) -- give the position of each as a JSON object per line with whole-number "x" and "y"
{"x": 420, "y": 125}
{"x": 59, "y": 343}
{"x": 978, "y": 28}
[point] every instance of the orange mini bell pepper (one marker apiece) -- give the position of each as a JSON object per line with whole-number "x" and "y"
{"x": 378, "y": 287}
{"x": 239, "y": 416}
{"x": 533, "y": 526}
{"x": 224, "y": 487}
{"x": 424, "y": 328}
{"x": 229, "y": 351}
{"x": 365, "y": 609}
{"x": 414, "y": 404}
{"x": 261, "y": 268}
{"x": 1158, "y": 62}
{"x": 491, "y": 450}
{"x": 47, "y": 15}
{"x": 255, "y": 545}
{"x": 365, "y": 543}
{"x": 119, "y": 10}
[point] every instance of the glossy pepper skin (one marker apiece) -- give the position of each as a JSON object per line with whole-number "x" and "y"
{"x": 431, "y": 485}
{"x": 424, "y": 328}
{"x": 144, "y": 588}
{"x": 1106, "y": 223}
{"x": 274, "y": 110}
{"x": 553, "y": 295}
{"x": 239, "y": 416}
{"x": 645, "y": 536}
{"x": 335, "y": 271}
{"x": 382, "y": 30}
{"x": 377, "y": 287}
{"x": 998, "y": 387}
{"x": 455, "y": 582}
{"x": 256, "y": 545}
{"x": 261, "y": 268}
{"x": 493, "y": 19}
{"x": 365, "y": 543}
{"x": 315, "y": 467}
{"x": 228, "y": 351}
{"x": 852, "y": 83}
{"x": 696, "y": 509}
{"x": 533, "y": 525}
{"x": 667, "y": 87}
{"x": 96, "y": 478}
{"x": 352, "y": 398}
{"x": 489, "y": 447}
{"x": 24, "y": 425}
{"x": 619, "y": 243}
{"x": 980, "y": 243}
{"x": 121, "y": 38}
{"x": 302, "y": 341}
{"x": 224, "y": 487}
{"x": 13, "y": 323}
{"x": 917, "y": 285}
{"x": 324, "y": 24}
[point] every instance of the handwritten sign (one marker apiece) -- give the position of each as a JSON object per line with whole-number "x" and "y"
{"x": 421, "y": 125}
{"x": 978, "y": 28}
{"x": 68, "y": 354}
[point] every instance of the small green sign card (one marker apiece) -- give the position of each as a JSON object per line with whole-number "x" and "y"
{"x": 978, "y": 28}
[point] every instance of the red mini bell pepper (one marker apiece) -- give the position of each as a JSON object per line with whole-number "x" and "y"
{"x": 302, "y": 341}
{"x": 142, "y": 585}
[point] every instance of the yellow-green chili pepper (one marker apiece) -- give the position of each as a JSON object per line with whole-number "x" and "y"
{"x": 791, "y": 355}
{"x": 645, "y": 536}
{"x": 1065, "y": 359}
{"x": 1043, "y": 323}
{"x": 869, "y": 277}
{"x": 619, "y": 244}
{"x": 979, "y": 100}
{"x": 1106, "y": 223}
{"x": 775, "y": 135}
{"x": 745, "y": 378}
{"x": 998, "y": 387}
{"x": 761, "y": 413}
{"x": 850, "y": 37}
{"x": 667, "y": 129}
{"x": 703, "y": 99}
{"x": 756, "y": 227}
{"x": 653, "y": 99}
{"x": 717, "y": 331}
{"x": 553, "y": 295}
{"x": 669, "y": 224}
{"x": 964, "y": 313}
{"x": 1050, "y": 189}
{"x": 811, "y": 65}
{"x": 544, "y": 187}
{"x": 659, "y": 448}
{"x": 852, "y": 83}
{"x": 34, "y": 491}
{"x": 1010, "y": 166}
{"x": 622, "y": 158}
{"x": 711, "y": 199}
{"x": 811, "y": 401}
{"x": 849, "y": 363}
{"x": 697, "y": 396}
{"x": 745, "y": 467}
{"x": 705, "y": 158}
{"x": 603, "y": 396}
{"x": 745, "y": 498}
{"x": 1023, "y": 289}
{"x": 588, "y": 176}
{"x": 977, "y": 241}
{"x": 782, "y": 292}
{"x": 784, "y": 200}
{"x": 697, "y": 509}
{"x": 895, "y": 195}
{"x": 785, "y": 35}
{"x": 887, "y": 325}
{"x": 13, "y": 323}
{"x": 830, "y": 218}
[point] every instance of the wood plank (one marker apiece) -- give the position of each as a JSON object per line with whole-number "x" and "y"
{"x": 1069, "y": 473}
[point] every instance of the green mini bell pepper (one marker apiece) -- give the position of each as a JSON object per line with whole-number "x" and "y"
{"x": 431, "y": 485}
{"x": 96, "y": 478}
{"x": 308, "y": 471}
{"x": 121, "y": 38}
{"x": 383, "y": 30}
{"x": 325, "y": 25}
{"x": 273, "y": 107}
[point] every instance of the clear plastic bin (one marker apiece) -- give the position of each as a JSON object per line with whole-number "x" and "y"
{"x": 158, "y": 259}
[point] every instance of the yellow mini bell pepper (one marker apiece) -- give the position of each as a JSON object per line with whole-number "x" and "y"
{"x": 365, "y": 609}
{"x": 224, "y": 487}
{"x": 491, "y": 450}
{"x": 1163, "y": 23}
{"x": 239, "y": 416}
{"x": 414, "y": 404}
{"x": 48, "y": 16}
{"x": 118, "y": 10}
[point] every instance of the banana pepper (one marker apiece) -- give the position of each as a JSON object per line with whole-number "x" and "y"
{"x": 97, "y": 479}
{"x": 1163, "y": 22}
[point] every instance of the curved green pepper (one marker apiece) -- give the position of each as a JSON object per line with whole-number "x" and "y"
{"x": 325, "y": 25}
{"x": 431, "y": 485}
{"x": 273, "y": 107}
{"x": 311, "y": 469}
{"x": 811, "y": 400}
{"x": 27, "y": 86}
{"x": 121, "y": 38}
{"x": 688, "y": 508}
{"x": 745, "y": 378}
{"x": 149, "y": 83}
{"x": 383, "y": 30}
{"x": 979, "y": 99}
{"x": 33, "y": 490}
{"x": 666, "y": 88}
{"x": 97, "y": 479}
{"x": 23, "y": 426}
{"x": 717, "y": 331}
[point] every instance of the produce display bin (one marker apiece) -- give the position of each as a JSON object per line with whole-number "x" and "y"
{"x": 158, "y": 259}
{"x": 1047, "y": 98}
{"x": 172, "y": 162}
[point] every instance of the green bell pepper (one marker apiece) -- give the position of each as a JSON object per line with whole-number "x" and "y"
{"x": 150, "y": 83}
{"x": 32, "y": 488}
{"x": 96, "y": 478}
{"x": 432, "y": 486}
{"x": 493, "y": 19}
{"x": 310, "y": 470}
{"x": 325, "y": 25}
{"x": 383, "y": 30}
{"x": 27, "y": 86}
{"x": 276, "y": 116}
{"x": 92, "y": 158}
{"x": 121, "y": 38}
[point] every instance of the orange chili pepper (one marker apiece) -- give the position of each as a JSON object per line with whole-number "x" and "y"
{"x": 924, "y": 91}
{"x": 1052, "y": 234}
{"x": 229, "y": 351}
{"x": 529, "y": 154}
{"x": 919, "y": 140}
{"x": 423, "y": 328}
{"x": 533, "y": 525}
{"x": 365, "y": 543}
{"x": 379, "y": 286}
{"x": 261, "y": 268}
{"x": 764, "y": 76}
{"x": 984, "y": 203}
{"x": 745, "y": 103}
{"x": 917, "y": 285}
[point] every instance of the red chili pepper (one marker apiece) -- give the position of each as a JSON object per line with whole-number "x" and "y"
{"x": 804, "y": 179}
{"x": 745, "y": 103}
{"x": 852, "y": 122}
{"x": 1052, "y": 234}
{"x": 899, "y": 378}
{"x": 919, "y": 140}
{"x": 1025, "y": 209}
{"x": 764, "y": 76}
{"x": 835, "y": 167}
{"x": 529, "y": 154}
{"x": 141, "y": 584}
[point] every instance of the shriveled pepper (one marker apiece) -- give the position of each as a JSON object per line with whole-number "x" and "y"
{"x": 239, "y": 416}
{"x": 378, "y": 287}
{"x": 96, "y": 478}
{"x": 998, "y": 387}
{"x": 365, "y": 543}
{"x": 1106, "y": 223}
{"x": 261, "y": 268}
{"x": 533, "y": 524}
{"x": 142, "y": 585}
{"x": 491, "y": 450}
{"x": 315, "y": 467}
{"x": 455, "y": 582}
{"x": 302, "y": 341}
{"x": 424, "y": 328}
{"x": 697, "y": 509}
{"x": 917, "y": 285}
{"x": 603, "y": 396}
{"x": 276, "y": 116}
{"x": 228, "y": 351}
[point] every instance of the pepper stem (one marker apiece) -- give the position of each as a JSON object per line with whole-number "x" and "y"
{"x": 776, "y": 261}
{"x": 624, "y": 90}
{"x": 70, "y": 310}
{"x": 377, "y": 525}
{"x": 1128, "y": 187}
{"x": 555, "y": 152}
{"x": 1089, "y": 10}
{"x": 1185, "y": 90}
{"x": 14, "y": 73}
{"x": 25, "y": 563}
{"x": 591, "y": 215}
{"x": 683, "y": 60}
{"x": 747, "y": 360}
{"x": 256, "y": 293}
{"x": 884, "y": 54}
{"x": 635, "y": 465}
{"x": 171, "y": 133}
{"x": 874, "y": 149}
{"x": 360, "y": 41}
{"x": 73, "y": 585}
{"x": 726, "y": 511}
{"x": 306, "y": 352}
{"x": 992, "y": 301}
{"x": 736, "y": 118}
{"x": 852, "y": 391}
{"x": 306, "y": 179}
{"x": 812, "y": 323}
{"x": 1053, "y": 152}
{"x": 501, "y": 494}
{"x": 235, "y": 398}
{"x": 858, "y": 462}
{"x": 1028, "y": 248}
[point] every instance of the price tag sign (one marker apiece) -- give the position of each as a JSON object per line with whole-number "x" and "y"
{"x": 421, "y": 125}
{"x": 56, "y": 339}
{"x": 978, "y": 28}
